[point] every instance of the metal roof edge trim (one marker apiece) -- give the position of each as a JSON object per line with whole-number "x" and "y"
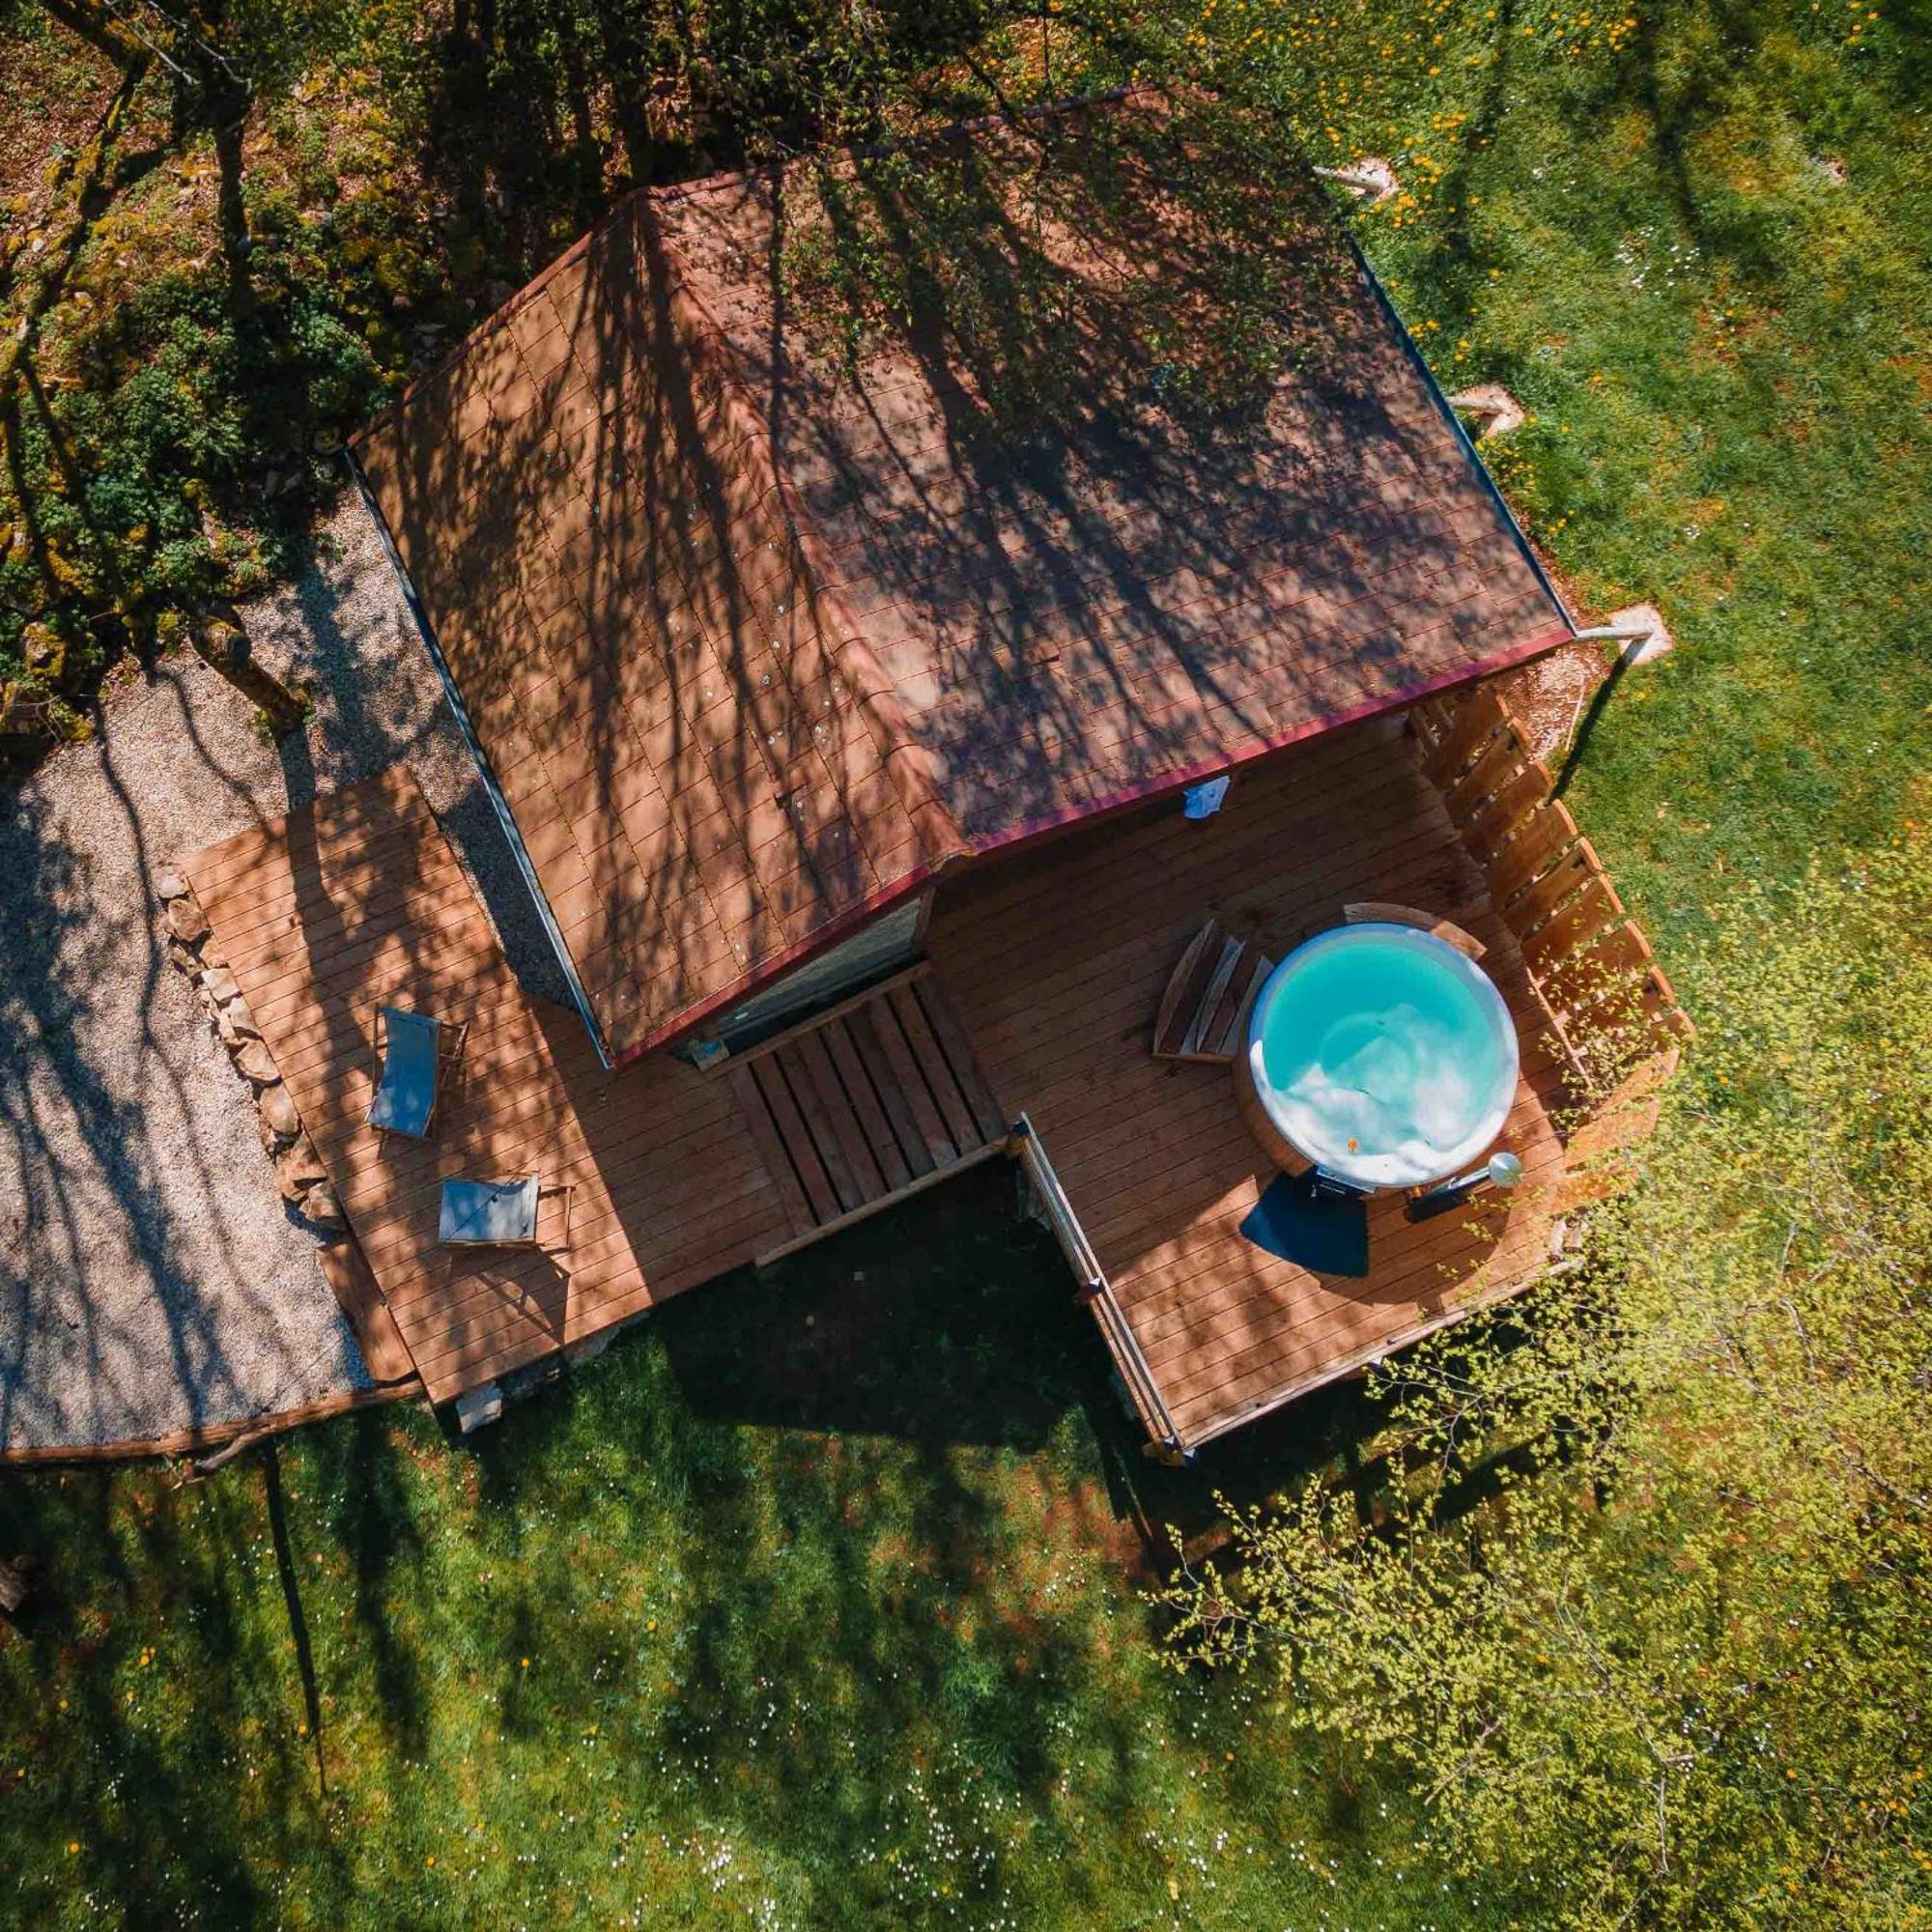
{"x": 498, "y": 803}
{"x": 1463, "y": 441}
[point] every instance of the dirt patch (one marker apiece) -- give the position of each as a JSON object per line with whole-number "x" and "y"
{"x": 1549, "y": 696}
{"x": 53, "y": 90}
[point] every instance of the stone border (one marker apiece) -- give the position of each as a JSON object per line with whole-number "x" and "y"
{"x": 299, "y": 1173}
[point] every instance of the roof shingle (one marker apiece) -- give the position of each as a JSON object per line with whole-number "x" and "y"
{"x": 765, "y": 600}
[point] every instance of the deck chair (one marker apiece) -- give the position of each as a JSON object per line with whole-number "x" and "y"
{"x": 496, "y": 1213}
{"x": 414, "y": 1049}
{"x": 1203, "y": 1012}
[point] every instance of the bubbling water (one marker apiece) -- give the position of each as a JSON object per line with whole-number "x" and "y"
{"x": 1379, "y": 1051}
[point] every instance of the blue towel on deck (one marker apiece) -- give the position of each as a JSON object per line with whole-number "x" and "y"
{"x": 1324, "y": 1236}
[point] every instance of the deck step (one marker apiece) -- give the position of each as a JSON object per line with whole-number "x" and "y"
{"x": 346, "y": 1269}
{"x": 874, "y": 1100}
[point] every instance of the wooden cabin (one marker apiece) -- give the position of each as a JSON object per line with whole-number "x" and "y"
{"x": 844, "y": 574}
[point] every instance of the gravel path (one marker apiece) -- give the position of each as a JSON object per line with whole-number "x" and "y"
{"x": 151, "y": 1278}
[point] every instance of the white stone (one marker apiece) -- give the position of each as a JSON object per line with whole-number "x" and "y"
{"x": 279, "y": 1112}
{"x": 321, "y": 1207}
{"x": 171, "y": 886}
{"x": 1370, "y": 176}
{"x": 1642, "y": 616}
{"x": 241, "y": 1016}
{"x": 218, "y": 984}
{"x": 256, "y": 1061}
{"x": 477, "y": 1408}
{"x": 298, "y": 1169}
{"x": 185, "y": 922}
{"x": 590, "y": 1348}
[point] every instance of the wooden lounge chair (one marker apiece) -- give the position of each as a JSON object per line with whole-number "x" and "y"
{"x": 1204, "y": 1013}
{"x": 496, "y": 1213}
{"x": 416, "y": 1048}
{"x": 1379, "y": 912}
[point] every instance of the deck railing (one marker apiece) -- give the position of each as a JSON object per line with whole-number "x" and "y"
{"x": 1096, "y": 1290}
{"x": 1612, "y": 1002}
{"x": 1614, "y": 1012}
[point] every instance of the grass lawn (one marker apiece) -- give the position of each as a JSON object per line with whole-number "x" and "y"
{"x": 1691, "y": 240}
{"x": 815, "y": 1602}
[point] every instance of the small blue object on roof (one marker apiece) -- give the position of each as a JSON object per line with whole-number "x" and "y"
{"x": 405, "y": 1102}
{"x": 489, "y": 1213}
{"x": 1204, "y": 800}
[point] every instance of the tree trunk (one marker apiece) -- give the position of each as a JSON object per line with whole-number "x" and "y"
{"x": 222, "y": 644}
{"x": 12, "y": 1588}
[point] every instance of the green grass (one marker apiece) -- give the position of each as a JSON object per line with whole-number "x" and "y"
{"x": 837, "y": 1622}
{"x": 1726, "y": 356}
{"x": 814, "y": 1601}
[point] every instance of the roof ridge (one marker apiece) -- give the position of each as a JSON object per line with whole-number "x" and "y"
{"x": 901, "y": 752}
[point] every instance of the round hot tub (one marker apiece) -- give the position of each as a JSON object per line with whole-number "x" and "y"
{"x": 1381, "y": 1054}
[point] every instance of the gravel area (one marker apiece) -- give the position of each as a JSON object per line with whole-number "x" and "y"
{"x": 151, "y": 1278}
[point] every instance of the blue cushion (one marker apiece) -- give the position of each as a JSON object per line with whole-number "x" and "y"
{"x": 488, "y": 1213}
{"x": 406, "y": 1096}
{"x": 1314, "y": 1229}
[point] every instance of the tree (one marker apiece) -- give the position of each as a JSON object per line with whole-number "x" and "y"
{"x": 1644, "y": 1610}
{"x": 221, "y": 642}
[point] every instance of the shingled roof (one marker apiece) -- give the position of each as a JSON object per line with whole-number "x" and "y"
{"x": 801, "y": 531}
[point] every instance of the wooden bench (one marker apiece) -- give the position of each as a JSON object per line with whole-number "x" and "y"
{"x": 1203, "y": 1012}
{"x": 1379, "y": 912}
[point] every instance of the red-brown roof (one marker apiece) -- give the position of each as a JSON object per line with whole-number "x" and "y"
{"x": 800, "y": 531}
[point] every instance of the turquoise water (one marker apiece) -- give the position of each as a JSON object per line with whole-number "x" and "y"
{"x": 1386, "y": 1055}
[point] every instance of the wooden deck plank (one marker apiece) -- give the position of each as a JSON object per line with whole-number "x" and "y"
{"x": 959, "y": 1058}
{"x": 893, "y": 1168}
{"x": 924, "y": 1109}
{"x": 757, "y": 1118}
{"x": 954, "y": 1109}
{"x": 800, "y": 1076}
{"x": 854, "y": 1145}
{"x": 915, "y": 1147}
{"x": 671, "y": 1187}
{"x": 1152, "y": 1154}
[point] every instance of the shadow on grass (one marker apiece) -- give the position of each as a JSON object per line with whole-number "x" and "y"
{"x": 950, "y": 1322}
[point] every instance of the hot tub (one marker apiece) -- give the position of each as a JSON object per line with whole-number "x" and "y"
{"x": 1381, "y": 1054}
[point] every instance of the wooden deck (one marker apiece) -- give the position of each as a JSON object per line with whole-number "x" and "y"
{"x": 1055, "y": 961}
{"x": 876, "y": 1099}
{"x": 358, "y": 901}
{"x": 1038, "y": 1000}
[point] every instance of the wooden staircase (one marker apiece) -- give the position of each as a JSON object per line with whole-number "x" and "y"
{"x": 859, "y": 1106}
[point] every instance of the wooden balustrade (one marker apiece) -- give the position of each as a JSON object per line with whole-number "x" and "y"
{"x": 1612, "y": 1007}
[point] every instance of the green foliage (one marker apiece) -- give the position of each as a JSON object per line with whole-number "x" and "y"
{"x": 1643, "y": 1604}
{"x": 398, "y": 179}
{"x": 1690, "y": 240}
